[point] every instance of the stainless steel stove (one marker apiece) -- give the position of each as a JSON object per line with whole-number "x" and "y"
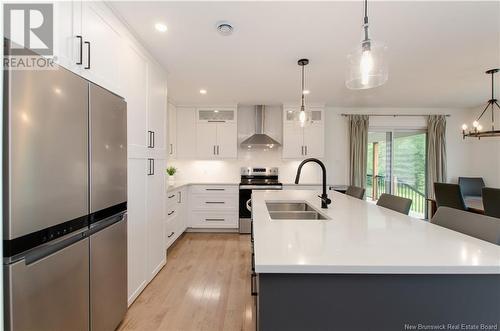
{"x": 254, "y": 178}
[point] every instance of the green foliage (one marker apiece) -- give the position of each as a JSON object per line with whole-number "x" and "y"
{"x": 171, "y": 171}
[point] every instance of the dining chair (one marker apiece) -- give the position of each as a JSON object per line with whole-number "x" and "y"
{"x": 491, "y": 201}
{"x": 355, "y": 191}
{"x": 478, "y": 226}
{"x": 471, "y": 186}
{"x": 399, "y": 204}
{"x": 449, "y": 195}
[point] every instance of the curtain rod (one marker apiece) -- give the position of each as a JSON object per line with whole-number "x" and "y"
{"x": 396, "y": 115}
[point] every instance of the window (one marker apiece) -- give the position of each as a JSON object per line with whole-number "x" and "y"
{"x": 397, "y": 165}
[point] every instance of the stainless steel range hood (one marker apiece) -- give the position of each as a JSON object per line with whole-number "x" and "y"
{"x": 259, "y": 138}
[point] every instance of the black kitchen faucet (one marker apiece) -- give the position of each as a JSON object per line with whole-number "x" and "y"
{"x": 325, "y": 201}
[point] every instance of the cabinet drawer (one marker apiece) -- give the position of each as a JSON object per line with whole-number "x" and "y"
{"x": 214, "y": 202}
{"x": 220, "y": 189}
{"x": 172, "y": 231}
{"x": 171, "y": 212}
{"x": 207, "y": 219}
{"x": 172, "y": 199}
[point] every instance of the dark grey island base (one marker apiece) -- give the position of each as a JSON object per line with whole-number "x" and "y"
{"x": 382, "y": 302}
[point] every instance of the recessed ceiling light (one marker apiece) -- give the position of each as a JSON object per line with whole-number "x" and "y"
{"x": 306, "y": 91}
{"x": 225, "y": 28}
{"x": 203, "y": 91}
{"x": 161, "y": 27}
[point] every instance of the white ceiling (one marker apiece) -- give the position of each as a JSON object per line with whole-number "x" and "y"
{"x": 438, "y": 51}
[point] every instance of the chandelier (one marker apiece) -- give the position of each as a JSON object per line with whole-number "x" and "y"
{"x": 477, "y": 131}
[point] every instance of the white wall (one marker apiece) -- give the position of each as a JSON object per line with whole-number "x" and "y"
{"x": 465, "y": 157}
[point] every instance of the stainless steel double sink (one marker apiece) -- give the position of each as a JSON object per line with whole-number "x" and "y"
{"x": 293, "y": 211}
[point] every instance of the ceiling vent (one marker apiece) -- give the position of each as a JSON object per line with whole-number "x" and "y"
{"x": 225, "y": 28}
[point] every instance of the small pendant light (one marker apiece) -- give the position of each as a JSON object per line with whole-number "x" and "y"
{"x": 303, "y": 115}
{"x": 367, "y": 62}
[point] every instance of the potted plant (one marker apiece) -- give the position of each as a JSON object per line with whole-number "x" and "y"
{"x": 171, "y": 172}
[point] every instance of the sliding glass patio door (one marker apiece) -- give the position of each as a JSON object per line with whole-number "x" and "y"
{"x": 397, "y": 165}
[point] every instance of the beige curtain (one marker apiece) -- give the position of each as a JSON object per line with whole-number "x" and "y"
{"x": 436, "y": 152}
{"x": 358, "y": 148}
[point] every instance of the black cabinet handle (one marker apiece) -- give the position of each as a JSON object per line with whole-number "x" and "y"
{"x": 80, "y": 61}
{"x": 306, "y": 149}
{"x": 171, "y": 196}
{"x": 170, "y": 235}
{"x": 214, "y": 219}
{"x": 88, "y": 55}
{"x": 153, "y": 138}
{"x": 180, "y": 197}
{"x": 215, "y": 189}
{"x": 151, "y": 167}
{"x": 215, "y": 202}
{"x": 171, "y": 149}
{"x": 253, "y": 280}
{"x": 173, "y": 211}
{"x": 217, "y": 149}
{"x": 214, "y": 149}
{"x": 150, "y": 139}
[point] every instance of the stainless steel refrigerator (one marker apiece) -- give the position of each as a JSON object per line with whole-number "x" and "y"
{"x": 65, "y": 201}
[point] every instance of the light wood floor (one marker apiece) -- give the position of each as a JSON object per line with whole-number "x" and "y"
{"x": 205, "y": 285}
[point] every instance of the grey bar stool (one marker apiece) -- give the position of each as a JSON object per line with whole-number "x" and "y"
{"x": 355, "y": 191}
{"x": 449, "y": 195}
{"x": 478, "y": 226}
{"x": 491, "y": 201}
{"x": 471, "y": 186}
{"x": 399, "y": 204}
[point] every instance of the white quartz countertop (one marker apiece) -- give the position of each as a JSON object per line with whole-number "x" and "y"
{"x": 361, "y": 237}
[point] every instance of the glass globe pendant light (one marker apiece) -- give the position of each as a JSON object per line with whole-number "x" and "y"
{"x": 367, "y": 67}
{"x": 302, "y": 116}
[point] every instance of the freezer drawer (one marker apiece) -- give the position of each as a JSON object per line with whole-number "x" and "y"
{"x": 108, "y": 274}
{"x": 52, "y": 292}
{"x": 108, "y": 149}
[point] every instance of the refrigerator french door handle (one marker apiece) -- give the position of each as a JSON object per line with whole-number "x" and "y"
{"x": 102, "y": 224}
{"x": 88, "y": 55}
{"x": 52, "y": 248}
{"x": 80, "y": 61}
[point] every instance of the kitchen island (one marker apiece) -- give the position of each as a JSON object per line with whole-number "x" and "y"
{"x": 367, "y": 268}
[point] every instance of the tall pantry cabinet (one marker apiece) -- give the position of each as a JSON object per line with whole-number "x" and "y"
{"x": 91, "y": 41}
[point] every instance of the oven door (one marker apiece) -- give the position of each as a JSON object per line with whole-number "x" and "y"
{"x": 245, "y": 203}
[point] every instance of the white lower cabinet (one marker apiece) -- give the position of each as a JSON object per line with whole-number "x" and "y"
{"x": 213, "y": 206}
{"x": 176, "y": 215}
{"x": 137, "y": 232}
{"x": 209, "y": 219}
{"x": 156, "y": 216}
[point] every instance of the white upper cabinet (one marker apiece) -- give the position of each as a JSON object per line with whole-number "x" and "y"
{"x": 102, "y": 45}
{"x": 172, "y": 130}
{"x": 309, "y": 141}
{"x": 67, "y": 26}
{"x": 216, "y": 133}
{"x": 206, "y": 140}
{"x": 227, "y": 140}
{"x": 135, "y": 82}
{"x": 216, "y": 115}
{"x": 186, "y": 128}
{"x": 157, "y": 115}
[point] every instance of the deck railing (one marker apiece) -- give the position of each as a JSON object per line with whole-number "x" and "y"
{"x": 377, "y": 185}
